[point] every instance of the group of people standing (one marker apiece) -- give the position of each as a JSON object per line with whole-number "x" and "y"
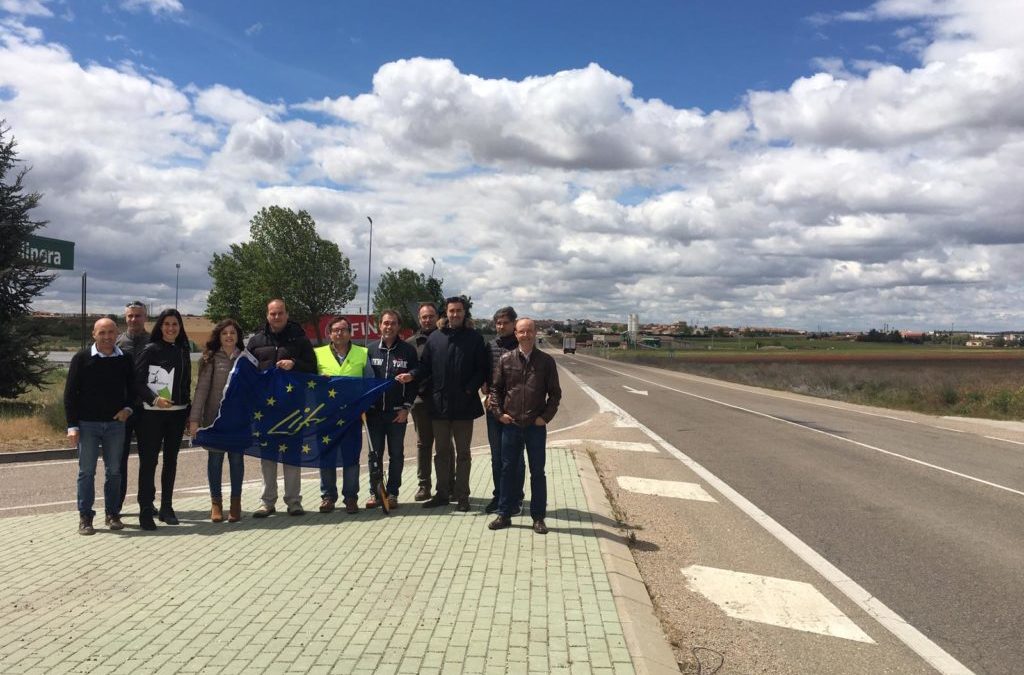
{"x": 140, "y": 383}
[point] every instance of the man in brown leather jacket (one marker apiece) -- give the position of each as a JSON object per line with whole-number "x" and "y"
{"x": 524, "y": 397}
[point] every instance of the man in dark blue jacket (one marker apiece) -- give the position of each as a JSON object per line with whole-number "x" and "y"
{"x": 455, "y": 360}
{"x": 283, "y": 344}
{"x": 386, "y": 421}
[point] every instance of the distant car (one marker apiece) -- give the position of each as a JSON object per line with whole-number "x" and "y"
{"x": 569, "y": 345}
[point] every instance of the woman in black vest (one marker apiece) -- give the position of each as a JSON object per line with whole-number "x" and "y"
{"x": 163, "y": 382}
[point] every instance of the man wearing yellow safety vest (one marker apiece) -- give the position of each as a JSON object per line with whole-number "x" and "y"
{"x": 341, "y": 358}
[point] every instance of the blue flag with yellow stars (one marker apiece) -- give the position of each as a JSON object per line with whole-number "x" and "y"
{"x": 289, "y": 417}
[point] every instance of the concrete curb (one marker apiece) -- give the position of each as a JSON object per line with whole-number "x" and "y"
{"x": 645, "y": 638}
{"x": 38, "y": 455}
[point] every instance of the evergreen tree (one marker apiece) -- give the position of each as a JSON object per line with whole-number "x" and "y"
{"x": 22, "y": 364}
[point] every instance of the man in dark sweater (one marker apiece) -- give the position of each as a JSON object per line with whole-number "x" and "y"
{"x": 97, "y": 401}
{"x": 282, "y": 344}
{"x": 132, "y": 341}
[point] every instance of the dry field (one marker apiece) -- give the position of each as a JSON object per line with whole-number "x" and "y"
{"x": 986, "y": 384}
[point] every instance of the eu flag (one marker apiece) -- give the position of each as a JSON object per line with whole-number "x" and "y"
{"x": 289, "y": 417}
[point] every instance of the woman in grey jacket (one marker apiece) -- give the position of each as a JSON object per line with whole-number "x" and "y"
{"x": 214, "y": 368}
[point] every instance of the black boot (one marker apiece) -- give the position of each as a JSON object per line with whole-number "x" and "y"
{"x": 167, "y": 515}
{"x": 146, "y": 517}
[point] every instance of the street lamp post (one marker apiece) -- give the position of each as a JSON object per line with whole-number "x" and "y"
{"x": 177, "y": 275}
{"x": 432, "y": 264}
{"x": 369, "y": 283}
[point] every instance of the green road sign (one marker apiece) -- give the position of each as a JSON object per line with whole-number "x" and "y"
{"x": 56, "y": 254}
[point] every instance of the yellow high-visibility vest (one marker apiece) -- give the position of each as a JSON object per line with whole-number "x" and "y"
{"x": 353, "y": 365}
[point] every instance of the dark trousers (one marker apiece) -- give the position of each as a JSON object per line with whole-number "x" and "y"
{"x": 452, "y": 439}
{"x": 425, "y": 445}
{"x": 130, "y": 430}
{"x": 494, "y": 429}
{"x": 159, "y": 431}
{"x": 513, "y": 440}
{"x": 382, "y": 431}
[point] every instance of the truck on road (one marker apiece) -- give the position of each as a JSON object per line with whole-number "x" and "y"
{"x": 568, "y": 345}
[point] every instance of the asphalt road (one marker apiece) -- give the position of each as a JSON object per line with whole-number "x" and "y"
{"x": 929, "y": 520}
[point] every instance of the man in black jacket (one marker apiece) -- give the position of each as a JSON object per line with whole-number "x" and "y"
{"x": 455, "y": 361}
{"x": 386, "y": 421}
{"x": 283, "y": 344}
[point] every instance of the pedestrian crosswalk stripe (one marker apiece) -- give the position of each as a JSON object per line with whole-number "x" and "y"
{"x": 664, "y": 488}
{"x": 779, "y": 602}
{"x": 610, "y": 445}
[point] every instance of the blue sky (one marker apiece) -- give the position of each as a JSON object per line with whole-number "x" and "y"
{"x": 843, "y": 164}
{"x": 690, "y": 53}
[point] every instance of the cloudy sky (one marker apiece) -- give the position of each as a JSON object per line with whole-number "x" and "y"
{"x": 840, "y": 164}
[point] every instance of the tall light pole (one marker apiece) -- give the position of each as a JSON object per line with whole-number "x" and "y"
{"x": 432, "y": 264}
{"x": 369, "y": 283}
{"x": 177, "y": 275}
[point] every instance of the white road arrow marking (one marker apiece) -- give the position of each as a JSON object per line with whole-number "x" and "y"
{"x": 631, "y": 390}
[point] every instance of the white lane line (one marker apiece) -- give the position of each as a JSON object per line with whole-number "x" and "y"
{"x": 837, "y": 437}
{"x": 665, "y": 488}
{"x": 627, "y": 446}
{"x": 780, "y": 602}
{"x": 937, "y": 657}
{"x": 631, "y": 390}
{"x": 1004, "y": 440}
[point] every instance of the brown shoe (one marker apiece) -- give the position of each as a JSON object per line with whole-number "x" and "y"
{"x": 85, "y": 525}
{"x": 217, "y": 511}
{"x": 539, "y": 527}
{"x": 327, "y": 505}
{"x": 499, "y": 523}
{"x": 235, "y": 510}
{"x": 392, "y": 502}
{"x": 352, "y": 505}
{"x": 422, "y": 495}
{"x": 114, "y": 522}
{"x": 372, "y": 502}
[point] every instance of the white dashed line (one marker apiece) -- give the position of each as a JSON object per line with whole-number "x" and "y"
{"x": 778, "y": 602}
{"x": 628, "y": 446}
{"x": 665, "y": 488}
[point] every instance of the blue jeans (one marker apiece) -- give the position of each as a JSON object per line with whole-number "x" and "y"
{"x": 215, "y": 471}
{"x": 349, "y": 482}
{"x": 94, "y": 438}
{"x": 494, "y": 429}
{"x": 513, "y": 440}
{"x": 383, "y": 431}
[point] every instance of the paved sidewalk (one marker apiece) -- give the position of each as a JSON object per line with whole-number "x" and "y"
{"x": 419, "y": 591}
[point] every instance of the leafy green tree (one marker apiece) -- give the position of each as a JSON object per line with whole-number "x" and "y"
{"x": 403, "y": 290}
{"x": 22, "y": 365}
{"x": 284, "y": 258}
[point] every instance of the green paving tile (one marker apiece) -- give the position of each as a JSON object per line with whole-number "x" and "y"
{"x": 314, "y": 594}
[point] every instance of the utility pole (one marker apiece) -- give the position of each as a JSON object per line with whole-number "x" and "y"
{"x": 369, "y": 283}
{"x": 177, "y": 275}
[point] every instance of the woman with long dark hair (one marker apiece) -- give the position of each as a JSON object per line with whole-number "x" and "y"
{"x": 219, "y": 358}
{"x": 163, "y": 382}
